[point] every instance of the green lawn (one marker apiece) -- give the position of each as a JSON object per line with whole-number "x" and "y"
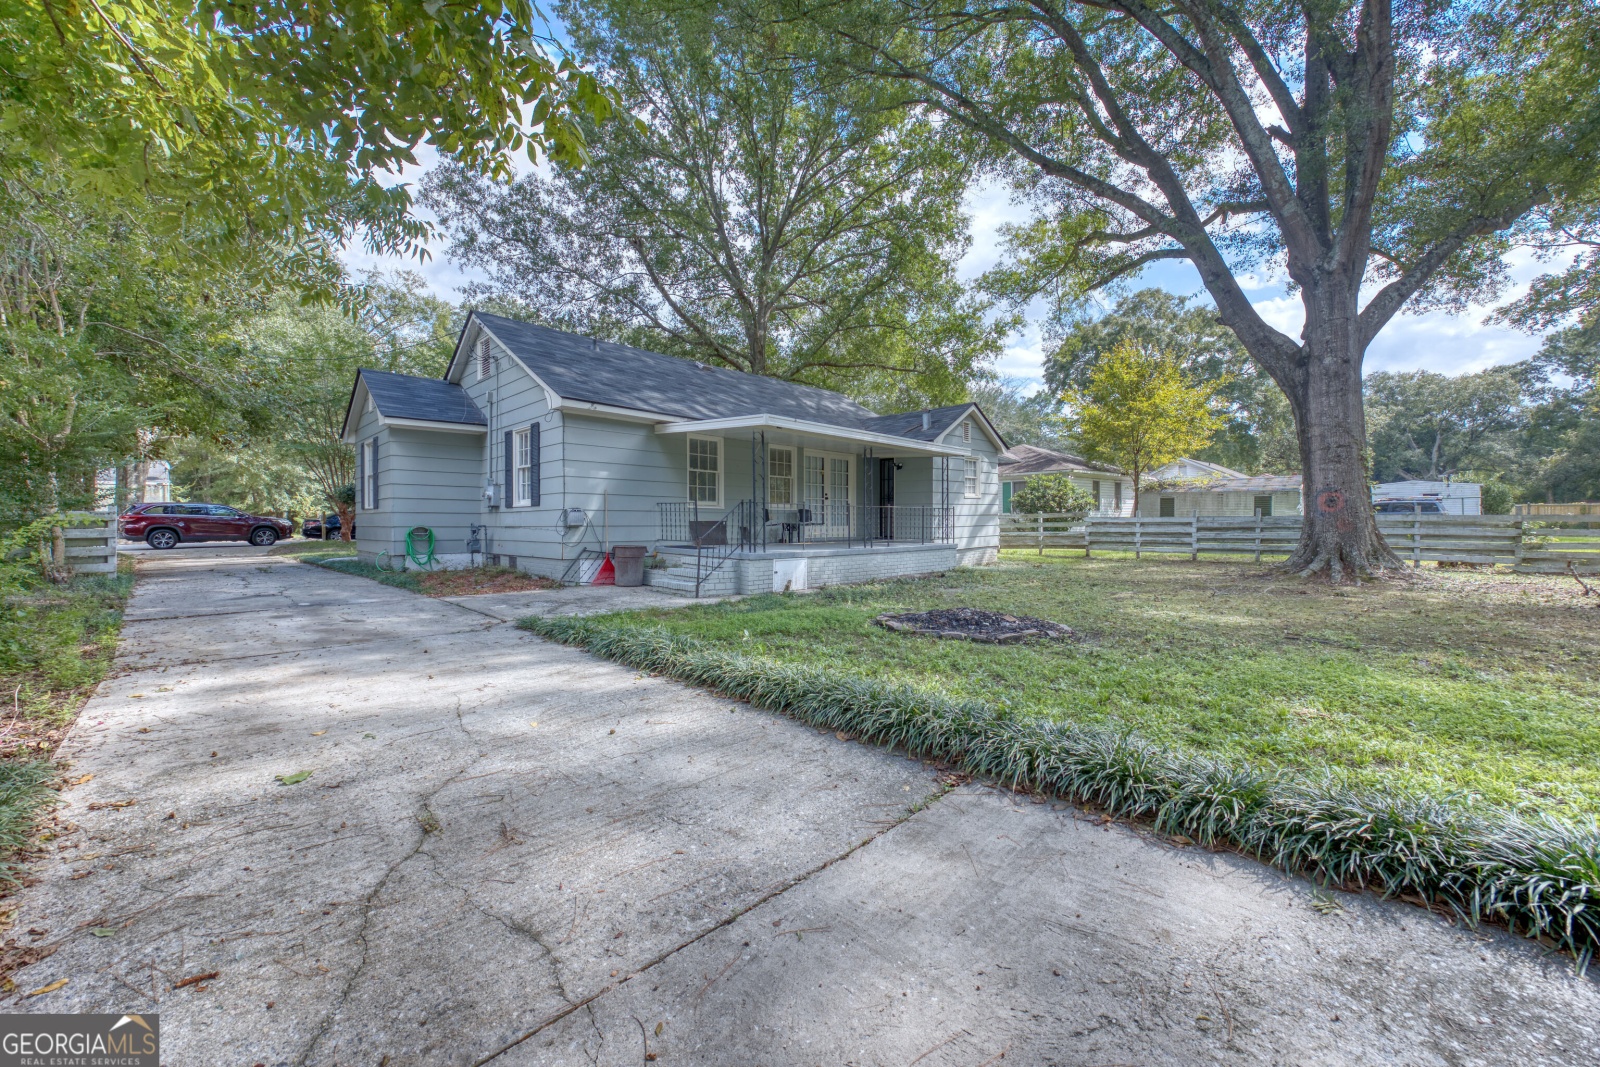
{"x": 1456, "y": 681}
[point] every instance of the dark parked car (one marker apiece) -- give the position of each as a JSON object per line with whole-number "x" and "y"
{"x": 326, "y": 528}
{"x": 166, "y": 525}
{"x": 1408, "y": 507}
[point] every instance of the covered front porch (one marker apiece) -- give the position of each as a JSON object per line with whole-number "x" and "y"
{"x": 775, "y": 504}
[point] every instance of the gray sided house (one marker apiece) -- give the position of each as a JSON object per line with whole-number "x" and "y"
{"x": 1111, "y": 489}
{"x": 541, "y": 450}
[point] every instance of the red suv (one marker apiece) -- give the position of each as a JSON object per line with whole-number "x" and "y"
{"x": 164, "y": 525}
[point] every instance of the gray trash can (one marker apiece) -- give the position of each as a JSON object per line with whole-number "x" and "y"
{"x": 629, "y": 563}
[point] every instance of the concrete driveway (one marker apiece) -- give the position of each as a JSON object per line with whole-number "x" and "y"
{"x": 509, "y": 852}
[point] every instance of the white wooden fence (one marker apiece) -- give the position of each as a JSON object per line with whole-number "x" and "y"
{"x": 1492, "y": 539}
{"x": 92, "y": 547}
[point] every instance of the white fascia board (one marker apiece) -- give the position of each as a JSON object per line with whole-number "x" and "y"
{"x": 429, "y": 424}
{"x": 904, "y": 446}
{"x": 610, "y": 411}
{"x": 353, "y": 410}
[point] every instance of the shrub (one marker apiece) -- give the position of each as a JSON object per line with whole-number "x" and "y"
{"x": 1496, "y": 499}
{"x": 1052, "y": 494}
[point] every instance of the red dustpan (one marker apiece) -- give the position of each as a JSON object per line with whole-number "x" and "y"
{"x": 607, "y": 575}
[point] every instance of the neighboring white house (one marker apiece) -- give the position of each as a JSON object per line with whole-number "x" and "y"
{"x": 1453, "y": 498}
{"x": 1243, "y": 496}
{"x": 541, "y": 449}
{"x": 1187, "y": 469}
{"x": 1195, "y": 487}
{"x": 1111, "y": 488}
{"x": 150, "y": 483}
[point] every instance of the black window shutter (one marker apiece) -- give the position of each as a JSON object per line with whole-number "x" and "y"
{"x": 375, "y": 472}
{"x": 510, "y": 492}
{"x": 361, "y": 476}
{"x": 533, "y": 458}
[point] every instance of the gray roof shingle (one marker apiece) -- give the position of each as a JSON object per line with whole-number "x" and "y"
{"x": 909, "y": 423}
{"x": 1031, "y": 459}
{"x": 401, "y": 396}
{"x": 580, "y": 368}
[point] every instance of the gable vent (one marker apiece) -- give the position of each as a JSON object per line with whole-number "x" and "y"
{"x": 966, "y": 433}
{"x": 484, "y": 359}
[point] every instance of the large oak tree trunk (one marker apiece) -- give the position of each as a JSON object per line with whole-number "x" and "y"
{"x": 1339, "y": 534}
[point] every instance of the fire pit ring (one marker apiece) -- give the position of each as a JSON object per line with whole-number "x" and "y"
{"x": 974, "y": 624}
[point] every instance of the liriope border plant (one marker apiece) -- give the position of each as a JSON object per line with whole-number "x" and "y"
{"x": 1540, "y": 877}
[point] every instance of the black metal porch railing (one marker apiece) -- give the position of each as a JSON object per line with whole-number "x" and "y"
{"x": 748, "y": 526}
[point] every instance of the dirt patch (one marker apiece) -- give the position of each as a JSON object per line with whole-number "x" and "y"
{"x": 975, "y": 624}
{"x": 474, "y": 580}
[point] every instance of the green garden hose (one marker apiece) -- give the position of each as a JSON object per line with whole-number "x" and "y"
{"x": 426, "y": 559}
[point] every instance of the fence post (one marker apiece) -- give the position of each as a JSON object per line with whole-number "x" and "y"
{"x": 1258, "y": 534}
{"x": 1041, "y": 533}
{"x": 1416, "y": 537}
{"x": 1138, "y": 539}
{"x": 1088, "y": 527}
{"x": 1194, "y": 537}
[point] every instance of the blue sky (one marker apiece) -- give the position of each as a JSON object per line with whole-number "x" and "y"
{"x": 1448, "y": 344}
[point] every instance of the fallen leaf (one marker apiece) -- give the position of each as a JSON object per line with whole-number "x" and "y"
{"x": 136, "y": 696}
{"x": 293, "y": 779}
{"x": 533, "y": 724}
{"x": 660, "y": 1027}
{"x": 79, "y": 780}
{"x": 112, "y": 804}
{"x": 318, "y": 733}
{"x": 104, "y": 931}
{"x": 144, "y": 729}
{"x": 51, "y": 988}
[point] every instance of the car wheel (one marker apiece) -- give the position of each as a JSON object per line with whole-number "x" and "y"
{"x": 262, "y": 536}
{"x": 161, "y": 539}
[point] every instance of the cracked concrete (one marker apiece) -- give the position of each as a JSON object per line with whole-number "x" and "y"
{"x": 511, "y": 853}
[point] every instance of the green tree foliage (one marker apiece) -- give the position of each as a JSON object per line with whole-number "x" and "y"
{"x": 1386, "y": 155}
{"x": 269, "y": 117}
{"x": 1021, "y": 418}
{"x": 759, "y": 215}
{"x": 304, "y": 361}
{"x": 1257, "y": 435}
{"x": 1562, "y": 430}
{"x": 1137, "y": 411}
{"x": 1433, "y": 426}
{"x": 1052, "y": 494}
{"x": 1496, "y": 497}
{"x": 164, "y": 170}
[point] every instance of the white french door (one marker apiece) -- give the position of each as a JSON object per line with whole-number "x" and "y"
{"x": 827, "y": 493}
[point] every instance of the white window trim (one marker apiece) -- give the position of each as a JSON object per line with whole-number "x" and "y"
{"x": 521, "y": 473}
{"x": 972, "y": 479}
{"x": 721, "y": 455}
{"x": 793, "y": 476}
{"x": 369, "y": 475}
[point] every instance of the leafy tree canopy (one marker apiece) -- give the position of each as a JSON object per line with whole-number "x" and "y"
{"x": 1258, "y": 433}
{"x": 1385, "y": 155}
{"x": 759, "y": 215}
{"x": 1432, "y": 426}
{"x": 1137, "y": 411}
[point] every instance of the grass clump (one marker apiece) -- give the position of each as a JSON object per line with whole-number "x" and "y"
{"x": 1537, "y": 875}
{"x": 57, "y": 640}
